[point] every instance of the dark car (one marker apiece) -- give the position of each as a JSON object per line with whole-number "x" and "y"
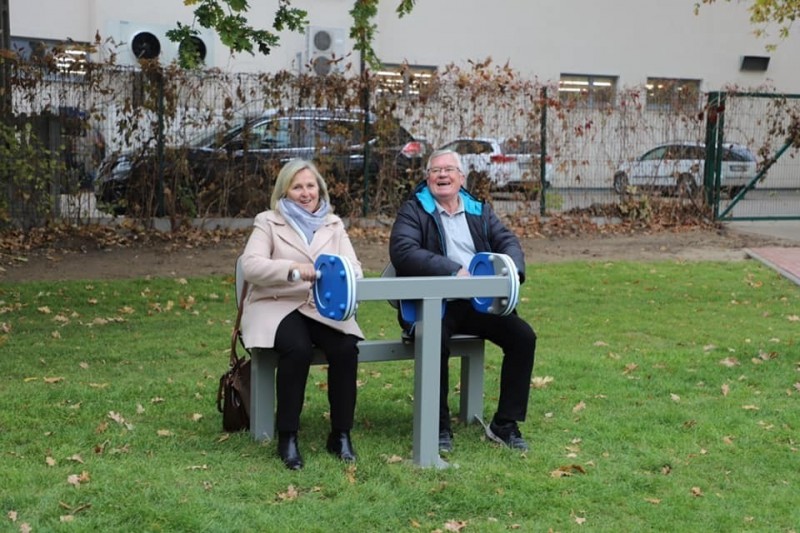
{"x": 230, "y": 172}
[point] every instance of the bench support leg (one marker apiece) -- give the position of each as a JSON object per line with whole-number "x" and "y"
{"x": 471, "y": 401}
{"x": 427, "y": 369}
{"x": 262, "y": 395}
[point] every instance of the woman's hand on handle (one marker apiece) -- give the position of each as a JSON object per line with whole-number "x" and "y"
{"x": 303, "y": 271}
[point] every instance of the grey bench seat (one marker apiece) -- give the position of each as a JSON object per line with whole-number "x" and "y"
{"x": 469, "y": 349}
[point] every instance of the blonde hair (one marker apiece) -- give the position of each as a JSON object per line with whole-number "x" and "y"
{"x": 287, "y": 174}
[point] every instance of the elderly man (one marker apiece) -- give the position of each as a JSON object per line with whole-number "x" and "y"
{"x": 436, "y": 233}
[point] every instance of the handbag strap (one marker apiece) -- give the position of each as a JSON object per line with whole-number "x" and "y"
{"x": 235, "y": 333}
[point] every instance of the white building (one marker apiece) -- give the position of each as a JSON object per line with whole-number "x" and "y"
{"x": 577, "y": 42}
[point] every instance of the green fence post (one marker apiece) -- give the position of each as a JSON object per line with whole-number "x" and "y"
{"x": 715, "y": 108}
{"x": 160, "y": 145}
{"x": 543, "y": 153}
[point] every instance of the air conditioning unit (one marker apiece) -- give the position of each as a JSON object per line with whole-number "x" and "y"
{"x": 325, "y": 49}
{"x": 139, "y": 41}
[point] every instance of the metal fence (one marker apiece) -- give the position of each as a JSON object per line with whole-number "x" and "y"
{"x": 62, "y": 125}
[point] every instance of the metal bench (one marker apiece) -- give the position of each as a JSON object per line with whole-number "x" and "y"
{"x": 264, "y": 364}
{"x": 429, "y": 293}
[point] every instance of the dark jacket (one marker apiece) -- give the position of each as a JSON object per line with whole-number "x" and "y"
{"x": 417, "y": 245}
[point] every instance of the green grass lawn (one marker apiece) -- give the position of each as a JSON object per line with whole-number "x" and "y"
{"x": 666, "y": 396}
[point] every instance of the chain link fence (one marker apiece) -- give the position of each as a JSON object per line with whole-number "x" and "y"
{"x": 189, "y": 144}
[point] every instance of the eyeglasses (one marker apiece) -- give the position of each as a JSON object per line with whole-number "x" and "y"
{"x": 443, "y": 170}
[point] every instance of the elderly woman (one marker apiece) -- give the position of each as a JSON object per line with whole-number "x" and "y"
{"x": 279, "y": 311}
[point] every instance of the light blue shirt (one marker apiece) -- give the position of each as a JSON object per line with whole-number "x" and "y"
{"x": 457, "y": 238}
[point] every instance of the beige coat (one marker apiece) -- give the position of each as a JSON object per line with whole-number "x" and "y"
{"x": 271, "y": 249}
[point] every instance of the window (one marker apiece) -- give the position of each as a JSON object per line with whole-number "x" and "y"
{"x": 671, "y": 94}
{"x": 403, "y": 79}
{"x": 587, "y": 90}
{"x": 69, "y": 57}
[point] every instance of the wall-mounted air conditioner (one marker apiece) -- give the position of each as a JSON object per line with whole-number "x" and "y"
{"x": 138, "y": 41}
{"x": 325, "y": 49}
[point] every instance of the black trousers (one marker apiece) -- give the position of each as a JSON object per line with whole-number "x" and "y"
{"x": 513, "y": 335}
{"x": 295, "y": 338}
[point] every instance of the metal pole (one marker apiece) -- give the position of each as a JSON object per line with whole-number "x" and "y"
{"x": 5, "y": 73}
{"x": 365, "y": 135}
{"x": 543, "y": 153}
{"x": 160, "y": 144}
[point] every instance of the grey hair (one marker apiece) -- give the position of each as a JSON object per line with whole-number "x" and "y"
{"x": 438, "y": 153}
{"x": 287, "y": 174}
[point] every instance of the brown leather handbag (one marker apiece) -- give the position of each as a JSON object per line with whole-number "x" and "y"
{"x": 233, "y": 395}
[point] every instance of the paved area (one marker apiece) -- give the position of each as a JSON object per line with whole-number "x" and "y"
{"x": 784, "y": 260}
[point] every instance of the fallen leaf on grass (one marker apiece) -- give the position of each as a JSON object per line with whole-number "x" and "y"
{"x": 164, "y": 433}
{"x": 654, "y": 501}
{"x": 630, "y": 367}
{"x": 730, "y": 362}
{"x": 290, "y": 494}
{"x": 541, "y": 382}
{"x": 393, "y": 459}
{"x": 77, "y": 479}
{"x": 580, "y": 406}
{"x": 793, "y": 318}
{"x": 697, "y": 492}
{"x": 725, "y": 389}
{"x": 53, "y": 380}
{"x": 567, "y": 470}
{"x": 750, "y": 407}
{"x": 455, "y": 525}
{"x": 49, "y": 461}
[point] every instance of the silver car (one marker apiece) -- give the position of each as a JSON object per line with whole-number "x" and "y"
{"x": 679, "y": 167}
{"x": 509, "y": 164}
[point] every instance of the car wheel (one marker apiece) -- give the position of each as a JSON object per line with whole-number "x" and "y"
{"x": 620, "y": 183}
{"x": 687, "y": 187}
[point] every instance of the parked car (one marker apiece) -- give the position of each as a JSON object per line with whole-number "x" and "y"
{"x": 245, "y": 157}
{"x": 679, "y": 167}
{"x": 509, "y": 164}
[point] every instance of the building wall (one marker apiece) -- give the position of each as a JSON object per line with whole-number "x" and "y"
{"x": 630, "y": 39}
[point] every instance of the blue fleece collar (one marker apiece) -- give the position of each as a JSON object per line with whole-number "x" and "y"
{"x": 472, "y": 206}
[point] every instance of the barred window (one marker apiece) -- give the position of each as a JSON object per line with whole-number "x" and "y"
{"x": 588, "y": 90}
{"x": 673, "y": 94}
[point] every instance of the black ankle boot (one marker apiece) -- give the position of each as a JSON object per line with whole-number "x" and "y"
{"x": 288, "y": 450}
{"x": 339, "y": 444}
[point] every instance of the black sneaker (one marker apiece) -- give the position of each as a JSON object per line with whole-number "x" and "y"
{"x": 506, "y": 434}
{"x": 445, "y": 441}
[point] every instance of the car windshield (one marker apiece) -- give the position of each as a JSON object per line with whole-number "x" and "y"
{"x": 218, "y": 136}
{"x": 516, "y": 146}
{"x": 737, "y": 153}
